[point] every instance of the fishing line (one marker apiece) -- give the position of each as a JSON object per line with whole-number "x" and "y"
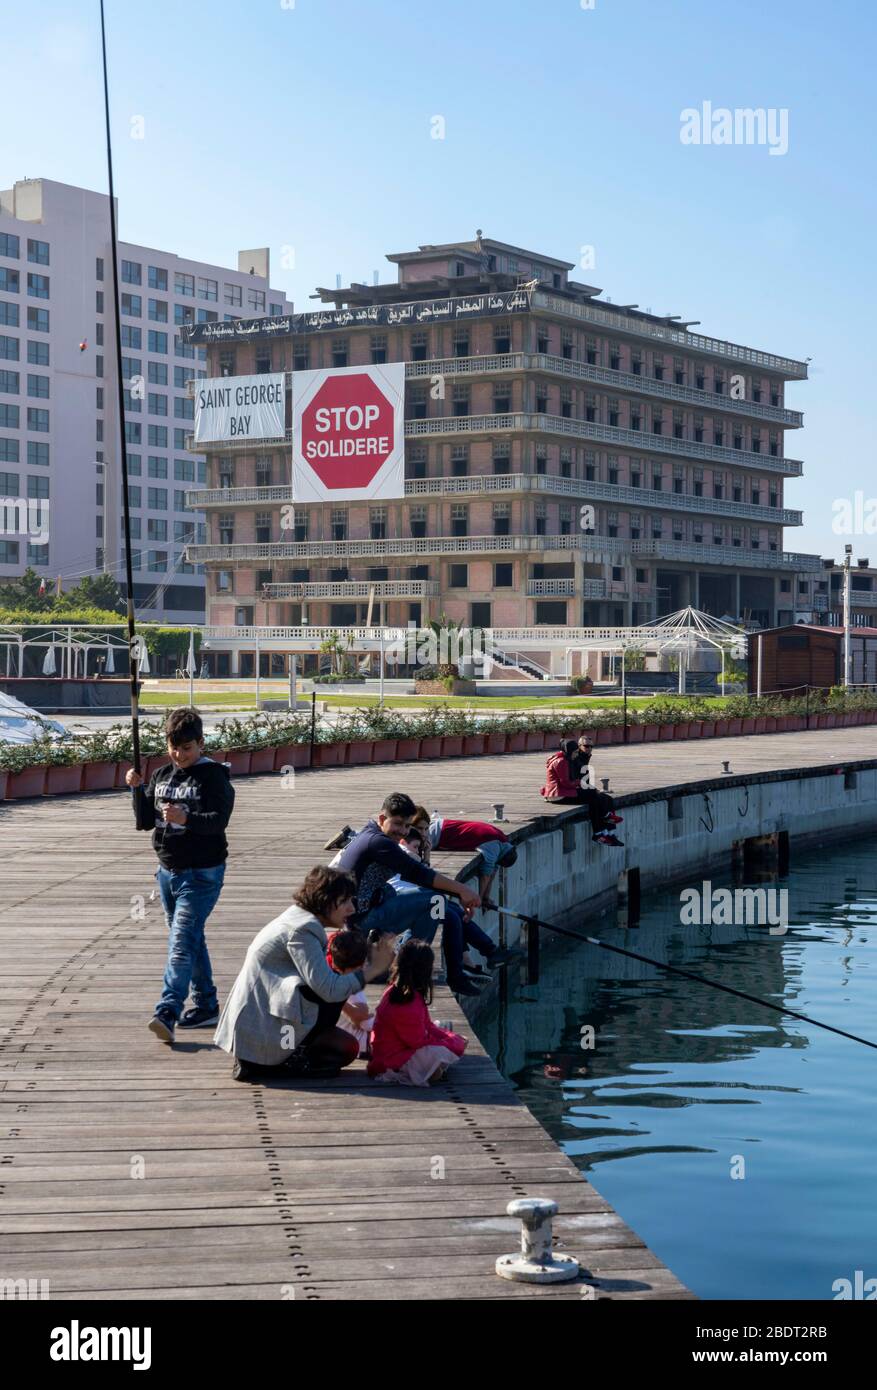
{"x": 685, "y": 974}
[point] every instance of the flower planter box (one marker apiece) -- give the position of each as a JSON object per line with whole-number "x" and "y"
{"x": 615, "y": 733}
{"x": 824, "y": 721}
{"x": 239, "y": 760}
{"x": 359, "y": 752}
{"x": 768, "y": 723}
{"x": 474, "y": 745}
{"x": 707, "y": 728}
{"x": 666, "y": 732}
{"x": 430, "y": 747}
{"x": 121, "y": 769}
{"x": 535, "y": 741}
{"x": 262, "y": 759}
{"x": 329, "y": 754}
{"x": 516, "y": 743}
{"x": 384, "y": 750}
{"x": 734, "y": 727}
{"x": 30, "y": 781}
{"x": 747, "y": 726}
{"x": 98, "y": 777}
{"x": 694, "y": 728}
{"x": 680, "y": 730}
{"x": 651, "y": 732}
{"x": 721, "y": 728}
{"x": 4, "y": 778}
{"x": 635, "y": 733}
{"x": 407, "y": 750}
{"x": 152, "y": 763}
{"x": 291, "y": 755}
{"x": 496, "y": 743}
{"x": 63, "y": 781}
{"x": 452, "y": 746}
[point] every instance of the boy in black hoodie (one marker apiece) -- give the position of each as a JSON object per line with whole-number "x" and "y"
{"x": 187, "y": 806}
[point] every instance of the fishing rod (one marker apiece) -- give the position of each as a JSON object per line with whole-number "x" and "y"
{"x": 133, "y": 640}
{"x": 686, "y": 974}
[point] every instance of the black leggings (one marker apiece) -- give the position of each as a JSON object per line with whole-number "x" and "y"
{"x": 599, "y": 804}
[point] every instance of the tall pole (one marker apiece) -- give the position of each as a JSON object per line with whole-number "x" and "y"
{"x": 848, "y": 550}
{"x": 381, "y": 697}
{"x": 258, "y": 663}
{"x": 760, "y": 650}
{"x": 126, "y": 515}
{"x": 192, "y": 667}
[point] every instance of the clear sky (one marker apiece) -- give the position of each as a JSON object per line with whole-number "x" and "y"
{"x": 307, "y": 125}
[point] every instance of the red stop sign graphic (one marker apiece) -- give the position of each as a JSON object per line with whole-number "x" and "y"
{"x": 347, "y": 431}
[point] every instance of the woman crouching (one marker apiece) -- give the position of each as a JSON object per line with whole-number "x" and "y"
{"x": 281, "y": 1016}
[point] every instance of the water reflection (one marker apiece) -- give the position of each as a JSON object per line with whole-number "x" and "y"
{"x": 737, "y": 1142}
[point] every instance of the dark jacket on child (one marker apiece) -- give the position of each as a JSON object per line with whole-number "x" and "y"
{"x": 204, "y": 789}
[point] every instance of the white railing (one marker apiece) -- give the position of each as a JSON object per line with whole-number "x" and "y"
{"x": 354, "y": 588}
{"x": 590, "y": 545}
{"x": 606, "y": 317}
{"x": 563, "y": 425}
{"x": 550, "y": 483}
{"x": 557, "y": 588}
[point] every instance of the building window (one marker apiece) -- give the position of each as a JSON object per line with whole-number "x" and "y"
{"x": 339, "y": 524}
{"x": 208, "y": 289}
{"x": 377, "y": 521}
{"x": 226, "y": 529}
{"x": 156, "y": 341}
{"x": 458, "y": 576}
{"x": 10, "y": 280}
{"x": 157, "y": 277}
{"x": 501, "y": 518}
{"x": 459, "y": 460}
{"x": 339, "y": 352}
{"x": 131, "y": 271}
{"x": 256, "y": 301}
{"x": 156, "y": 499}
{"x": 38, "y": 420}
{"x": 417, "y": 521}
{"x": 39, "y": 386}
{"x": 459, "y": 519}
{"x": 233, "y": 295}
{"x": 263, "y": 528}
{"x": 379, "y": 347}
{"x": 184, "y": 284}
{"x": 38, "y": 320}
{"x": 10, "y": 246}
{"x": 37, "y": 454}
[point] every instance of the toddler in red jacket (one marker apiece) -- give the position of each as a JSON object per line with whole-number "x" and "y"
{"x": 406, "y": 1046}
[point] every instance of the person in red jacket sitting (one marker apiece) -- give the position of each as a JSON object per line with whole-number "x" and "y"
{"x": 406, "y": 1046}
{"x": 563, "y": 784}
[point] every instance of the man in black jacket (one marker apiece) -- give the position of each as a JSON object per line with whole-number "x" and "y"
{"x": 187, "y": 806}
{"x": 374, "y": 856}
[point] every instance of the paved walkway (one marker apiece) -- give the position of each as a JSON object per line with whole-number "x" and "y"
{"x": 130, "y": 1170}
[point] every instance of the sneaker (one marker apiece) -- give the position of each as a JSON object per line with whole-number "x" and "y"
{"x": 162, "y": 1024}
{"x": 465, "y": 987}
{"x": 609, "y": 840}
{"x": 241, "y": 1071}
{"x": 503, "y": 955}
{"x": 344, "y": 836}
{"x": 199, "y": 1018}
{"x": 613, "y": 818}
{"x": 476, "y": 972}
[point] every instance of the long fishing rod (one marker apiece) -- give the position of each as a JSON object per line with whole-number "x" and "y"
{"x": 133, "y": 648}
{"x": 686, "y": 974}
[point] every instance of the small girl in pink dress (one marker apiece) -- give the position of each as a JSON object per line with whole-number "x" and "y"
{"x": 406, "y": 1046}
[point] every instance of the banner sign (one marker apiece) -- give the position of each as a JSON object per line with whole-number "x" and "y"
{"x": 240, "y": 407}
{"x": 348, "y": 433}
{"x": 368, "y": 315}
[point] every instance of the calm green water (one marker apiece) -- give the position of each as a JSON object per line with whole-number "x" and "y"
{"x": 683, "y": 1082}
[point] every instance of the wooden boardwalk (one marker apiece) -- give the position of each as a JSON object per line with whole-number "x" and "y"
{"x": 131, "y": 1170}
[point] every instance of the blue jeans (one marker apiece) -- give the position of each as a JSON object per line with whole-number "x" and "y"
{"x": 188, "y": 897}
{"x": 412, "y": 913}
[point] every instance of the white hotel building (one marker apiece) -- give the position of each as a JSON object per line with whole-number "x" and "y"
{"x": 59, "y": 457}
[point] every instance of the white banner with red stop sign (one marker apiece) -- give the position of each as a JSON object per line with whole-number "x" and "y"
{"x": 348, "y": 433}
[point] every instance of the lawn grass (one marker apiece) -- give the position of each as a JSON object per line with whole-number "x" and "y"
{"x": 243, "y": 700}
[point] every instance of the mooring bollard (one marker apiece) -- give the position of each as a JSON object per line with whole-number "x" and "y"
{"x": 499, "y": 811}
{"x": 604, "y": 783}
{"x": 536, "y": 1263}
{"x": 726, "y": 768}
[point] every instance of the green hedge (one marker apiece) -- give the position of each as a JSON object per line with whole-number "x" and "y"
{"x": 376, "y": 722}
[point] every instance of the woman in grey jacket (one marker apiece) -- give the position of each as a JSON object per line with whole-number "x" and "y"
{"x": 281, "y": 1015}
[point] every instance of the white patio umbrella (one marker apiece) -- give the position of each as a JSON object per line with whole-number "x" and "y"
{"x": 49, "y": 661}
{"x": 110, "y": 668}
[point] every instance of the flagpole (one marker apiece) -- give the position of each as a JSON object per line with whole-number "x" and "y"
{"x": 126, "y": 515}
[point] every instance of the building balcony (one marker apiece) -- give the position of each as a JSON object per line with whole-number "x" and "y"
{"x": 537, "y": 423}
{"x": 669, "y": 336}
{"x": 547, "y": 364}
{"x": 591, "y": 547}
{"x": 505, "y": 483}
{"x": 385, "y": 588}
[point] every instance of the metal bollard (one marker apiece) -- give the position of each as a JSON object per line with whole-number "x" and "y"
{"x": 726, "y": 768}
{"x": 536, "y": 1263}
{"x": 499, "y": 811}
{"x": 604, "y": 783}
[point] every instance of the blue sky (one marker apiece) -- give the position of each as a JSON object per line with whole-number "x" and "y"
{"x": 308, "y": 126}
